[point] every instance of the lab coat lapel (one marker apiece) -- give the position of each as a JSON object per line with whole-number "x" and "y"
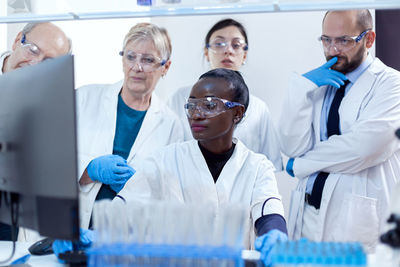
{"x": 331, "y": 182}
{"x": 109, "y": 122}
{"x": 351, "y": 103}
{"x": 151, "y": 120}
{"x": 203, "y": 175}
{"x": 329, "y": 187}
{"x": 296, "y": 209}
{"x": 319, "y": 96}
{"x": 226, "y": 179}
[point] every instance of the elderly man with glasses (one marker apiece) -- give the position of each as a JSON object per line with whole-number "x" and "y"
{"x": 338, "y": 130}
{"x": 35, "y": 43}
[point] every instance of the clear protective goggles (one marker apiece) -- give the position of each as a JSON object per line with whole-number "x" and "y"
{"x": 220, "y": 45}
{"x": 145, "y": 62}
{"x": 31, "y": 50}
{"x": 208, "y": 107}
{"x": 343, "y": 43}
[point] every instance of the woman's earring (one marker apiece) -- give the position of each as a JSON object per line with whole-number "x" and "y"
{"x": 244, "y": 63}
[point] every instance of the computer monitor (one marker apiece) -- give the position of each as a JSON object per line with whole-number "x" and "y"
{"x": 38, "y": 158}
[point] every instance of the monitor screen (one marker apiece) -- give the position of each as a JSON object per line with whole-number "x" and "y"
{"x": 38, "y": 158}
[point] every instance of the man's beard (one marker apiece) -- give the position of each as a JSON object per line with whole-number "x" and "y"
{"x": 347, "y": 66}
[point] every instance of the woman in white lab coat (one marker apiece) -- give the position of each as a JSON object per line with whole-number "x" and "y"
{"x": 226, "y": 46}
{"x": 121, "y": 123}
{"x": 215, "y": 168}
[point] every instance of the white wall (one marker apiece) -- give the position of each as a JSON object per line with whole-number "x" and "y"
{"x": 95, "y": 44}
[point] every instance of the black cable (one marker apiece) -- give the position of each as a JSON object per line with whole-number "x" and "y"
{"x": 6, "y": 200}
{"x": 14, "y": 208}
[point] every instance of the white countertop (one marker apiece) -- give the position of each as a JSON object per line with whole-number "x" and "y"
{"x": 21, "y": 250}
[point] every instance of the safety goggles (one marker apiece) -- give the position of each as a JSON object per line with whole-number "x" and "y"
{"x": 341, "y": 44}
{"x": 208, "y": 107}
{"x": 30, "y": 50}
{"x": 219, "y": 45}
{"x": 145, "y": 62}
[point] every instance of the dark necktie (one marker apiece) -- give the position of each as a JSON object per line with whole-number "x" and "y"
{"x": 333, "y": 127}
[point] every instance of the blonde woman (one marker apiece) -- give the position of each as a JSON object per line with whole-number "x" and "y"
{"x": 120, "y": 123}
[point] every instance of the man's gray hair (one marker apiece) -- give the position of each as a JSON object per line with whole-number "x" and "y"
{"x": 30, "y": 26}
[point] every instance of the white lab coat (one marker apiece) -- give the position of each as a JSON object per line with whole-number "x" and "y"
{"x": 2, "y": 59}
{"x": 179, "y": 172}
{"x": 256, "y": 130}
{"x": 96, "y": 118}
{"x": 363, "y": 162}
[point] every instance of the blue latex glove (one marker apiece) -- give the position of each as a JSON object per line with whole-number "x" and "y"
{"x": 325, "y": 76}
{"x": 21, "y": 260}
{"x": 86, "y": 238}
{"x": 266, "y": 242}
{"x": 118, "y": 186}
{"x": 110, "y": 169}
{"x": 289, "y": 167}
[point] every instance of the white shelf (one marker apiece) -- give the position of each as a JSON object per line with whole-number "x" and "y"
{"x": 73, "y": 10}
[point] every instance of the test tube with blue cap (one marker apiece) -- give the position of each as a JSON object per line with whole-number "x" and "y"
{"x": 144, "y": 2}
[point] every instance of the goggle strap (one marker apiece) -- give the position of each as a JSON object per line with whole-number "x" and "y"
{"x": 232, "y": 104}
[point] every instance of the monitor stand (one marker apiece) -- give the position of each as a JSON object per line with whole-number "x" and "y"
{"x": 74, "y": 258}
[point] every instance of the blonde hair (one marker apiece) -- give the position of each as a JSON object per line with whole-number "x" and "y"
{"x": 147, "y": 31}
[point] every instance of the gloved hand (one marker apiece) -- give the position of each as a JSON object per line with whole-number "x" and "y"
{"x": 86, "y": 238}
{"x": 289, "y": 167}
{"x": 325, "y": 76}
{"x": 118, "y": 186}
{"x": 266, "y": 242}
{"x": 110, "y": 169}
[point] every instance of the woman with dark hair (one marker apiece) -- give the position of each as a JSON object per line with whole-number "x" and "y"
{"x": 215, "y": 168}
{"x": 226, "y": 46}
